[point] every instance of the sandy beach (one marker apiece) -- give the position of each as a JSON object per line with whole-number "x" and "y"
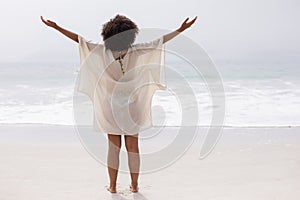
{"x": 49, "y": 162}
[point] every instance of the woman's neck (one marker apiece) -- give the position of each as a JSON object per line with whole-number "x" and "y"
{"x": 116, "y": 54}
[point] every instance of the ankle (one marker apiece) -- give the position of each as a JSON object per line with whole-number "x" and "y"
{"x": 112, "y": 185}
{"x": 134, "y": 184}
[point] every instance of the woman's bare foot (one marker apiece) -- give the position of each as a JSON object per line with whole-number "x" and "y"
{"x": 112, "y": 189}
{"x": 134, "y": 188}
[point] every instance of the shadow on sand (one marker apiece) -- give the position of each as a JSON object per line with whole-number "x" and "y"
{"x": 136, "y": 196}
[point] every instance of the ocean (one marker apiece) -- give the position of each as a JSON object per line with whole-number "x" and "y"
{"x": 257, "y": 95}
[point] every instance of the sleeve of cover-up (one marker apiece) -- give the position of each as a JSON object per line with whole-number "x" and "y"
{"x": 85, "y": 48}
{"x": 152, "y": 54}
{"x": 146, "y": 47}
{"x": 90, "y": 59}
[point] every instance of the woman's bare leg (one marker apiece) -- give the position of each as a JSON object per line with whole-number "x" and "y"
{"x": 131, "y": 143}
{"x": 114, "y": 145}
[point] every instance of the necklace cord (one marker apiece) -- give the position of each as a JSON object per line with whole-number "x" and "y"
{"x": 120, "y": 61}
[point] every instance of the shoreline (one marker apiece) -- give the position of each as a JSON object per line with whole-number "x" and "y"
{"x": 202, "y": 126}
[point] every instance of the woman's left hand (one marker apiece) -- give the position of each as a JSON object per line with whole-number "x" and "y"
{"x": 49, "y": 23}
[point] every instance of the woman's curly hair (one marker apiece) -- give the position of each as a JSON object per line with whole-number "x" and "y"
{"x": 119, "y": 33}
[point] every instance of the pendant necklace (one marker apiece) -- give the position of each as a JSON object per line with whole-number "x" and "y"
{"x": 121, "y": 63}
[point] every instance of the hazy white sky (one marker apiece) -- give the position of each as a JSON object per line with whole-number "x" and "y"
{"x": 256, "y": 30}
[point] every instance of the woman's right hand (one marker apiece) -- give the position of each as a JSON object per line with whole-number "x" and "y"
{"x": 49, "y": 23}
{"x": 187, "y": 24}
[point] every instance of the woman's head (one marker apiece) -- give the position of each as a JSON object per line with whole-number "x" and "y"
{"x": 119, "y": 33}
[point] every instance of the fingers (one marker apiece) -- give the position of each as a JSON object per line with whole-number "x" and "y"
{"x": 186, "y": 20}
{"x": 191, "y": 22}
{"x": 194, "y": 19}
{"x": 43, "y": 20}
{"x": 48, "y": 22}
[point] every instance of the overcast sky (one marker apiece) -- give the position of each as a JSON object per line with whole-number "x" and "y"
{"x": 256, "y": 30}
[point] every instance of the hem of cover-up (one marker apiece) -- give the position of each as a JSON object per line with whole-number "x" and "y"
{"x": 122, "y": 133}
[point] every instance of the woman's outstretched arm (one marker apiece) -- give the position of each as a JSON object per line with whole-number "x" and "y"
{"x": 69, "y": 34}
{"x": 183, "y": 26}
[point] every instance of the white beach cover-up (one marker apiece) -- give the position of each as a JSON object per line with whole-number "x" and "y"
{"x": 121, "y": 103}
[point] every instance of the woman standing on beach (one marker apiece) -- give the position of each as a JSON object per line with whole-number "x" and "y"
{"x": 115, "y": 59}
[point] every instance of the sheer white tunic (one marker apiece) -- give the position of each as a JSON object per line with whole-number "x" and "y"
{"x": 122, "y": 103}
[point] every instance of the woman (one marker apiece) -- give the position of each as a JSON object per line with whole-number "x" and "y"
{"x": 119, "y": 48}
